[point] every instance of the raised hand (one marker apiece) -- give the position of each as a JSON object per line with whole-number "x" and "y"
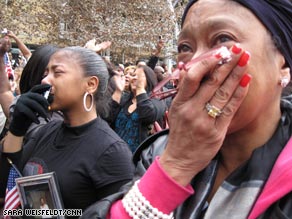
{"x": 141, "y": 81}
{"x": 120, "y": 81}
{"x": 11, "y": 34}
{"x": 4, "y": 46}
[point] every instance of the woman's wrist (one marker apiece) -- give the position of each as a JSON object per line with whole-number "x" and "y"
{"x": 12, "y": 143}
{"x": 148, "y": 194}
{"x": 116, "y": 96}
{"x": 181, "y": 175}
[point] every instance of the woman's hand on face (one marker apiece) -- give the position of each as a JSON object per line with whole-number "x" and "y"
{"x": 119, "y": 80}
{"x": 28, "y": 108}
{"x": 196, "y": 137}
{"x": 141, "y": 81}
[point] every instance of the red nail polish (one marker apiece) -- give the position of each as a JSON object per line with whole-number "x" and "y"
{"x": 243, "y": 59}
{"x": 181, "y": 66}
{"x": 236, "y": 49}
{"x": 245, "y": 80}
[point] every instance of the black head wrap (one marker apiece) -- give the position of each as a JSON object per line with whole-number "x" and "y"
{"x": 276, "y": 15}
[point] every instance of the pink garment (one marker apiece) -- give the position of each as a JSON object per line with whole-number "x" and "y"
{"x": 163, "y": 193}
{"x": 278, "y": 184}
{"x": 166, "y": 195}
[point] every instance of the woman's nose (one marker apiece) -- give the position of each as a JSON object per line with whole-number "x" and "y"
{"x": 45, "y": 79}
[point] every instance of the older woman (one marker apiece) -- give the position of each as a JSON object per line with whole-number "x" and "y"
{"x": 90, "y": 160}
{"x": 227, "y": 154}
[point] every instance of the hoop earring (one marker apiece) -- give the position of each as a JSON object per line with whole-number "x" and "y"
{"x": 284, "y": 82}
{"x": 84, "y": 101}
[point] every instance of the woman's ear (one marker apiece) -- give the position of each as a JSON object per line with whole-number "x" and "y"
{"x": 92, "y": 84}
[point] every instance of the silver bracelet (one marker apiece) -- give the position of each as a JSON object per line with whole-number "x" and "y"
{"x": 138, "y": 207}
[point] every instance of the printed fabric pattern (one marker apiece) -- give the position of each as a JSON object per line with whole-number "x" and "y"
{"x": 127, "y": 127}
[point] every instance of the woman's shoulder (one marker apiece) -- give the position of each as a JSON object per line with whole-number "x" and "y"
{"x": 104, "y": 134}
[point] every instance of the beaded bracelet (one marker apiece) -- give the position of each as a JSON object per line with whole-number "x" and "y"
{"x": 138, "y": 207}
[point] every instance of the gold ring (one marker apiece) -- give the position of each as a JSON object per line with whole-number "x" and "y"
{"x": 213, "y": 111}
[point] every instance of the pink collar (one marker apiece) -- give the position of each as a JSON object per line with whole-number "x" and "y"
{"x": 278, "y": 184}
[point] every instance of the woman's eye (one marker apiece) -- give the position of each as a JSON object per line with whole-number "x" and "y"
{"x": 58, "y": 71}
{"x": 223, "y": 38}
{"x": 184, "y": 48}
{"x": 44, "y": 75}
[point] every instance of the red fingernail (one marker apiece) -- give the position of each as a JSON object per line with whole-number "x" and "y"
{"x": 245, "y": 80}
{"x": 181, "y": 66}
{"x": 236, "y": 49}
{"x": 243, "y": 59}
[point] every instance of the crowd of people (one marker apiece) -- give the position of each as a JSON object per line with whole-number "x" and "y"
{"x": 228, "y": 149}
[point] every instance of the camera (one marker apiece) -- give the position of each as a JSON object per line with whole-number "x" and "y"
{"x": 4, "y": 31}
